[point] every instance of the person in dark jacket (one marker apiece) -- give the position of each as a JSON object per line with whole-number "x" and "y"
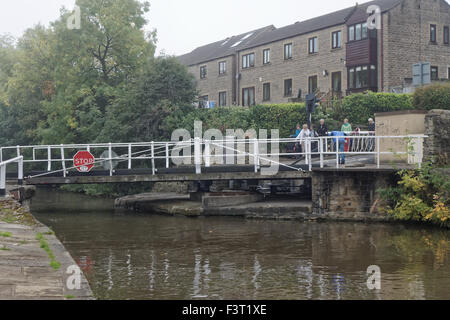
{"x": 322, "y": 131}
{"x": 371, "y": 133}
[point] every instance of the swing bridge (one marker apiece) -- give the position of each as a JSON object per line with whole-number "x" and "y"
{"x": 200, "y": 159}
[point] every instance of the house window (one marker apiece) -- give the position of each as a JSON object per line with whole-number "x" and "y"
{"x": 288, "y": 87}
{"x": 288, "y": 51}
{"x": 313, "y": 45}
{"x": 222, "y": 67}
{"x": 362, "y": 77}
{"x": 336, "y": 79}
{"x": 336, "y": 41}
{"x": 312, "y": 84}
{"x": 203, "y": 72}
{"x": 222, "y": 99}
{"x": 448, "y": 75}
{"x": 351, "y": 33}
{"x": 248, "y": 61}
{"x": 433, "y": 33}
{"x": 203, "y": 101}
{"x": 248, "y": 97}
{"x": 266, "y": 56}
{"x": 266, "y": 91}
{"x": 434, "y": 73}
{"x": 446, "y": 35}
{"x": 358, "y": 32}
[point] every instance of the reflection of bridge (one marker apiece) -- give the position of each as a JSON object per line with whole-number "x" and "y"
{"x": 194, "y": 160}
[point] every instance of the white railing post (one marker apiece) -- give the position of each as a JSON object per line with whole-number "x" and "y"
{"x": 207, "y": 154}
{"x": 2, "y": 180}
{"x": 167, "y": 156}
{"x": 378, "y": 152}
{"x": 49, "y": 158}
{"x": 110, "y": 159}
{"x": 18, "y": 151}
{"x": 420, "y": 151}
{"x": 63, "y": 161}
{"x": 321, "y": 140}
{"x": 197, "y": 155}
{"x": 20, "y": 171}
{"x": 337, "y": 152}
{"x": 153, "y": 157}
{"x": 1, "y": 154}
{"x": 129, "y": 156}
{"x": 310, "y": 153}
{"x": 256, "y": 154}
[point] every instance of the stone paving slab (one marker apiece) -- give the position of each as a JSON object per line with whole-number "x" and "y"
{"x": 25, "y": 271}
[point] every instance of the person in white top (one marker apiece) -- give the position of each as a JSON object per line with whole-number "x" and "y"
{"x": 305, "y": 133}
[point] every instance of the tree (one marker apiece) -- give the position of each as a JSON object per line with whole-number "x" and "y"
{"x": 141, "y": 111}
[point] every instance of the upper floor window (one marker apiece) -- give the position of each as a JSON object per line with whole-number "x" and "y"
{"x": 248, "y": 61}
{"x": 222, "y": 67}
{"x": 446, "y": 35}
{"x": 203, "y": 72}
{"x": 288, "y": 51}
{"x": 433, "y": 33}
{"x": 358, "y": 32}
{"x": 434, "y": 73}
{"x": 288, "y": 87}
{"x": 313, "y": 45}
{"x": 336, "y": 39}
{"x": 266, "y": 56}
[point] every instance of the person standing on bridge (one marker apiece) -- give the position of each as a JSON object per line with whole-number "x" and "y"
{"x": 339, "y": 137}
{"x": 322, "y": 131}
{"x": 304, "y": 134}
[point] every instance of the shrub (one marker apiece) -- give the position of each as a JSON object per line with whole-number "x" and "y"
{"x": 362, "y": 106}
{"x": 421, "y": 195}
{"x": 435, "y": 96}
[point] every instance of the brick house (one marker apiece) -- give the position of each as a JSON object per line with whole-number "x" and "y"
{"x": 335, "y": 54}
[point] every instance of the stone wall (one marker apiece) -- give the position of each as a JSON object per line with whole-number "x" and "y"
{"x": 350, "y": 195}
{"x": 437, "y": 128}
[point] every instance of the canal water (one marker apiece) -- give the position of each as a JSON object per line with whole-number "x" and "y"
{"x": 145, "y": 256}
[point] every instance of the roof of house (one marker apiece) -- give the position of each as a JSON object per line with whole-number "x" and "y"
{"x": 222, "y": 48}
{"x": 270, "y": 34}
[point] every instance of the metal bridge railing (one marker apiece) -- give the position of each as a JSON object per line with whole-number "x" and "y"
{"x": 19, "y": 161}
{"x": 202, "y": 152}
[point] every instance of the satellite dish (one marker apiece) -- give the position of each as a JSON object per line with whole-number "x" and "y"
{"x": 106, "y": 164}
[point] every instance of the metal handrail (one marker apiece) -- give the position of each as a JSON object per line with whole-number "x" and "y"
{"x": 3, "y": 165}
{"x": 202, "y": 151}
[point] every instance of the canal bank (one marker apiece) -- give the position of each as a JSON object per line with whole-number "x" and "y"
{"x": 33, "y": 262}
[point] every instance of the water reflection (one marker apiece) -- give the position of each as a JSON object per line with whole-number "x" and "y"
{"x": 138, "y": 256}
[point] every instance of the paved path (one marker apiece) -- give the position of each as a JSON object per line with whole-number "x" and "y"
{"x": 25, "y": 271}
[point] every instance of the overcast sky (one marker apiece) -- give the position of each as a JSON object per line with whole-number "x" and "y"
{"x": 183, "y": 25}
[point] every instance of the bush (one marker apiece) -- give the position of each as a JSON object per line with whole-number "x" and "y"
{"x": 435, "y": 96}
{"x": 284, "y": 117}
{"x": 421, "y": 196}
{"x": 358, "y": 108}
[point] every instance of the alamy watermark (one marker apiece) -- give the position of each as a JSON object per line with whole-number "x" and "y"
{"x": 74, "y": 20}
{"x": 374, "y": 20}
{"x": 374, "y": 279}
{"x": 235, "y": 147}
{"x": 73, "y": 282}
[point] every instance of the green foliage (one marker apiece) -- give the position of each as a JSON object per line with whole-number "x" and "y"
{"x": 435, "y": 96}
{"x": 284, "y": 117}
{"x": 421, "y": 195}
{"x": 358, "y": 108}
{"x": 44, "y": 245}
{"x": 5, "y": 234}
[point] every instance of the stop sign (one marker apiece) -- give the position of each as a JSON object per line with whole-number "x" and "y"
{"x": 83, "y": 161}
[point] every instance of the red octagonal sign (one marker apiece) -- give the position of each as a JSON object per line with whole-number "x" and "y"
{"x": 83, "y": 161}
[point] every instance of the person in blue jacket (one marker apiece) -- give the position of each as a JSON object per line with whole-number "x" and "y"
{"x": 341, "y": 139}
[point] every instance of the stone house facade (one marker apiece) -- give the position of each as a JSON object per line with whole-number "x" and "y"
{"x": 333, "y": 55}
